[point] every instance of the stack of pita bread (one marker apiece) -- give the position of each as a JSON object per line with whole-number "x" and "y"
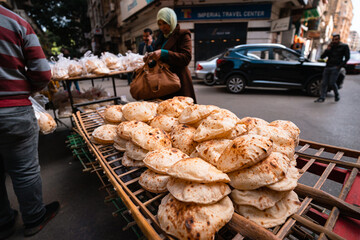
{"x": 193, "y": 150}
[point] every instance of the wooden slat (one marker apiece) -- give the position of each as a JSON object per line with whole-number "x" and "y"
{"x": 332, "y": 149}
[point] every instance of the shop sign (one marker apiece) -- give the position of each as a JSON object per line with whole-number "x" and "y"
{"x": 252, "y": 11}
{"x": 129, "y": 7}
{"x": 280, "y": 25}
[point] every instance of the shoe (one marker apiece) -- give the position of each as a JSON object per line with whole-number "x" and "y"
{"x": 319, "y": 100}
{"x": 337, "y": 98}
{"x": 51, "y": 210}
{"x": 8, "y": 229}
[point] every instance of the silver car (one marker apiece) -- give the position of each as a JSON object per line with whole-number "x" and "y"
{"x": 206, "y": 69}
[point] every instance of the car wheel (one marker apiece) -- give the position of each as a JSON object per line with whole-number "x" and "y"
{"x": 209, "y": 79}
{"x": 313, "y": 87}
{"x": 235, "y": 84}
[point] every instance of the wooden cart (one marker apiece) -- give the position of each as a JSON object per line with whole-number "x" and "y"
{"x": 321, "y": 215}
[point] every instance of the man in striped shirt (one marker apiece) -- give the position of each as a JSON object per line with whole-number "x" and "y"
{"x": 23, "y": 70}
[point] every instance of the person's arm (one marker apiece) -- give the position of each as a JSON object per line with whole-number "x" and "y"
{"x": 38, "y": 69}
{"x": 180, "y": 58}
{"x": 149, "y": 48}
{"x": 325, "y": 54}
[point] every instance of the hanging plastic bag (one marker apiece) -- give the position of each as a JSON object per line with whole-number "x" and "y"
{"x": 92, "y": 64}
{"x": 46, "y": 122}
{"x": 75, "y": 68}
{"x": 60, "y": 68}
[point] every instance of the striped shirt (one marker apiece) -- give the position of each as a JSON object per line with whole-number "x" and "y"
{"x": 23, "y": 66}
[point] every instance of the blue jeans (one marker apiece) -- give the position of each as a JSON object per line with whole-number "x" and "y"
{"x": 19, "y": 133}
{"x": 330, "y": 76}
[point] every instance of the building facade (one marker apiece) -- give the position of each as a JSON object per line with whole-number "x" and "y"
{"x": 354, "y": 41}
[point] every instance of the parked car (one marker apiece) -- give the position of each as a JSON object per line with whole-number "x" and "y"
{"x": 268, "y": 65}
{"x": 206, "y": 69}
{"x": 353, "y": 65}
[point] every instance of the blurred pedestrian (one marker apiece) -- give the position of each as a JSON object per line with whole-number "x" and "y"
{"x": 23, "y": 70}
{"x": 338, "y": 54}
{"x": 173, "y": 47}
{"x": 147, "y": 45}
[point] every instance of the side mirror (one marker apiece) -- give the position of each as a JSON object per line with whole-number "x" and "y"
{"x": 301, "y": 59}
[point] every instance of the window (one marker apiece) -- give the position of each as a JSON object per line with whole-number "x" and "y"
{"x": 257, "y": 54}
{"x": 284, "y": 55}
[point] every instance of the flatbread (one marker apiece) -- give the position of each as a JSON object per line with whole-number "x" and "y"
{"x": 261, "y": 198}
{"x": 153, "y": 182}
{"x": 211, "y": 150}
{"x": 273, "y": 216}
{"x": 197, "y": 170}
{"x": 195, "y": 113}
{"x": 120, "y": 143}
{"x": 161, "y": 160}
{"x": 128, "y": 162}
{"x": 217, "y": 125}
{"x": 105, "y": 134}
{"x": 268, "y": 171}
{"x": 289, "y": 127}
{"x": 135, "y": 152}
{"x": 164, "y": 122}
{"x": 251, "y": 122}
{"x": 191, "y": 220}
{"x": 202, "y": 193}
{"x": 150, "y": 138}
{"x": 289, "y": 182}
{"x": 125, "y": 129}
{"x": 174, "y": 106}
{"x": 113, "y": 114}
{"x": 277, "y": 135}
{"x": 139, "y": 111}
{"x": 239, "y": 130}
{"x": 244, "y": 151}
{"x": 182, "y": 137}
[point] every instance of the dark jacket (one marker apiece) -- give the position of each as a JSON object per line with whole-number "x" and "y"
{"x": 178, "y": 56}
{"x": 337, "y": 56}
{"x": 148, "y": 48}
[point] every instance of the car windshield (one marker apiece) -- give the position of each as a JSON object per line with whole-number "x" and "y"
{"x": 355, "y": 56}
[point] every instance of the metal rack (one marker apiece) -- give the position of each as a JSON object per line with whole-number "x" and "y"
{"x": 325, "y": 161}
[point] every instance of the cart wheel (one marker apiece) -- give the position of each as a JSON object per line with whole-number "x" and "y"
{"x": 235, "y": 84}
{"x": 209, "y": 79}
{"x": 313, "y": 87}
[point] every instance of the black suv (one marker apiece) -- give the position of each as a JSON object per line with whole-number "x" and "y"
{"x": 269, "y": 65}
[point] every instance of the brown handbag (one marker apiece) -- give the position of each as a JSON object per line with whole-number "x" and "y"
{"x": 154, "y": 82}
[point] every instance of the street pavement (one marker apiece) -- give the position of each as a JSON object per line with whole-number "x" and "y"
{"x": 84, "y": 215}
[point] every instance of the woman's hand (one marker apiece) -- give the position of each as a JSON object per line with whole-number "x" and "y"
{"x": 155, "y": 55}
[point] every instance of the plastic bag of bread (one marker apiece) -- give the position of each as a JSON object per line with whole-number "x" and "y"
{"x": 59, "y": 70}
{"x": 111, "y": 60}
{"x": 46, "y": 122}
{"x": 75, "y": 68}
{"x": 93, "y": 65}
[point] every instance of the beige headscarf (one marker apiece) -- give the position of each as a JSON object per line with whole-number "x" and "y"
{"x": 169, "y": 16}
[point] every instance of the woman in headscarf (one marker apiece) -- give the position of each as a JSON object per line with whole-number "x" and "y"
{"x": 174, "y": 48}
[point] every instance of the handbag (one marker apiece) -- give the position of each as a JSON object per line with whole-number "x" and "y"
{"x": 154, "y": 82}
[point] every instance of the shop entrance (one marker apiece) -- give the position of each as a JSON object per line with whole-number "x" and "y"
{"x": 213, "y": 38}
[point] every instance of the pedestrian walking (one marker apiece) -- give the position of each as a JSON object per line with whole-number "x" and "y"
{"x": 173, "y": 47}
{"x": 23, "y": 70}
{"x": 338, "y": 54}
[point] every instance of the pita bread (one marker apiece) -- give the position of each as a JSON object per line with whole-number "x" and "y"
{"x": 211, "y": 150}
{"x": 182, "y": 137}
{"x": 277, "y": 135}
{"x": 139, "y": 111}
{"x": 290, "y": 127}
{"x": 261, "y": 198}
{"x": 202, "y": 193}
{"x": 135, "y": 152}
{"x": 113, "y": 114}
{"x": 289, "y": 182}
{"x": 105, "y": 134}
{"x": 46, "y": 122}
{"x": 194, "y": 154}
{"x": 161, "y": 160}
{"x": 128, "y": 162}
{"x": 197, "y": 170}
{"x": 174, "y": 106}
{"x": 243, "y": 152}
{"x": 164, "y": 122}
{"x": 191, "y": 220}
{"x": 217, "y": 125}
{"x": 150, "y": 138}
{"x": 239, "y": 130}
{"x": 287, "y": 149}
{"x": 273, "y": 216}
{"x": 251, "y": 122}
{"x": 195, "y": 113}
{"x": 268, "y": 171}
{"x": 153, "y": 182}
{"x": 120, "y": 143}
{"x": 125, "y": 129}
